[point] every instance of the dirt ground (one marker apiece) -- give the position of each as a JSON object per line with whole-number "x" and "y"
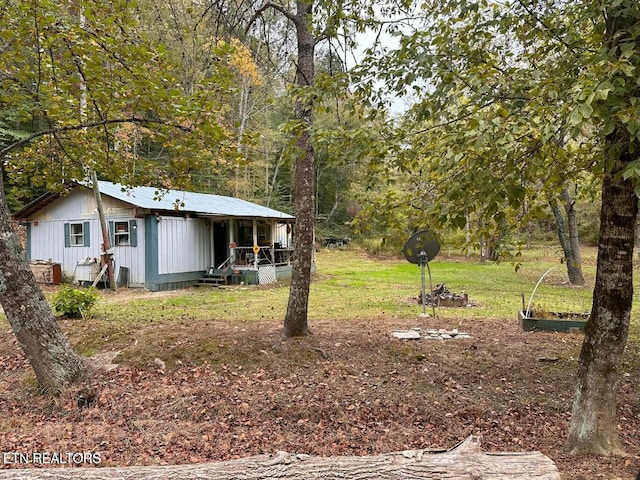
{"x": 349, "y": 389}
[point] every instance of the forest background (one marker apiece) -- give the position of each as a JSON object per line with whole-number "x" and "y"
{"x": 364, "y": 189}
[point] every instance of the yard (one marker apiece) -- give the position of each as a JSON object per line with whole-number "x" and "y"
{"x": 203, "y": 375}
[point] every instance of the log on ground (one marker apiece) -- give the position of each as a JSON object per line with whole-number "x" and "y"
{"x": 465, "y": 461}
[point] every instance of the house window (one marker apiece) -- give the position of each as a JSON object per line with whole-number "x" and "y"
{"x": 121, "y": 233}
{"x": 76, "y": 234}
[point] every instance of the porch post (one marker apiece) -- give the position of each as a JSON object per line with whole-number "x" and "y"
{"x": 272, "y": 242}
{"x": 212, "y": 248}
{"x": 232, "y": 241}
{"x": 255, "y": 241}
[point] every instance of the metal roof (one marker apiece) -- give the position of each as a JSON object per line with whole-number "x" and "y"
{"x": 159, "y": 199}
{"x": 182, "y": 201}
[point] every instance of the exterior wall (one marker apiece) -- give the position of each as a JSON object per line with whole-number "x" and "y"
{"x": 282, "y": 234}
{"x": 46, "y": 237}
{"x": 130, "y": 257}
{"x": 178, "y": 251}
{"x": 45, "y": 241}
{"x": 81, "y": 204}
{"x": 184, "y": 245}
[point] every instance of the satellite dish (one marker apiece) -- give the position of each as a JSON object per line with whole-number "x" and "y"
{"x": 422, "y": 247}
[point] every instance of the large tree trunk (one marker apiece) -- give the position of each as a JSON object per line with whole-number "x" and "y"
{"x": 295, "y": 322}
{"x": 593, "y": 427}
{"x": 32, "y": 321}
{"x": 593, "y": 421}
{"x": 466, "y": 461}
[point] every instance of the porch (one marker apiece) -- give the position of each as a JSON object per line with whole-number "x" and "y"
{"x": 249, "y": 251}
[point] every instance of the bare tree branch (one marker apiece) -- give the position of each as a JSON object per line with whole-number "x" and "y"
{"x": 266, "y": 7}
{"x": 81, "y": 126}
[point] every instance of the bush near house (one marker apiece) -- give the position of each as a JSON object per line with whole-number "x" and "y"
{"x": 72, "y": 302}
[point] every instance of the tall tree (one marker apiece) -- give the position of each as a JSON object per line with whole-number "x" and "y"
{"x": 312, "y": 22}
{"x": 567, "y": 230}
{"x": 53, "y": 360}
{"x": 47, "y": 56}
{"x": 594, "y": 423}
{"x": 296, "y": 318}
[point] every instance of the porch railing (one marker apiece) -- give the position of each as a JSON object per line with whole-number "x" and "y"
{"x": 266, "y": 256}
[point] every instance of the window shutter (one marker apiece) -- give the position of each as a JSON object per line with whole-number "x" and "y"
{"x": 111, "y": 234}
{"x": 86, "y": 234}
{"x": 133, "y": 233}
{"x": 67, "y": 235}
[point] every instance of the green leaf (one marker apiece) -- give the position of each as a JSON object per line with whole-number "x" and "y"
{"x": 609, "y": 127}
{"x": 575, "y": 118}
{"x": 503, "y": 112}
{"x": 586, "y": 110}
{"x": 603, "y": 90}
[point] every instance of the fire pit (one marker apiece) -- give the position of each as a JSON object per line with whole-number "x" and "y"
{"x": 441, "y": 296}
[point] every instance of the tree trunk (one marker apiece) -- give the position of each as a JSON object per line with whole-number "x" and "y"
{"x": 593, "y": 422}
{"x": 574, "y": 268}
{"x": 272, "y": 184}
{"x": 575, "y": 276}
{"x": 32, "y": 321}
{"x": 467, "y": 232}
{"x": 295, "y": 322}
{"x": 593, "y": 427}
{"x": 466, "y": 461}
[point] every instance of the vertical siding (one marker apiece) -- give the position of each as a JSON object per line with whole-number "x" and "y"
{"x": 131, "y": 257}
{"x": 47, "y": 237}
{"x": 47, "y": 243}
{"x": 281, "y": 235}
{"x": 184, "y": 245}
{"x": 78, "y": 204}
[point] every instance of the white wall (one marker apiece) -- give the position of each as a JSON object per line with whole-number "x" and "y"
{"x": 184, "y": 245}
{"x": 47, "y": 234}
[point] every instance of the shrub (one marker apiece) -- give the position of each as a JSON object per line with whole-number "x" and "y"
{"x": 74, "y": 302}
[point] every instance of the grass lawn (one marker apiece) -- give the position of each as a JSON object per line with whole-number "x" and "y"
{"x": 203, "y": 374}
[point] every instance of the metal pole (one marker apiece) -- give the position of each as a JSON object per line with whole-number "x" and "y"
{"x": 424, "y": 296}
{"x": 433, "y": 303}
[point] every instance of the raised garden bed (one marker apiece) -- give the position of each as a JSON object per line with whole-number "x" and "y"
{"x": 553, "y": 321}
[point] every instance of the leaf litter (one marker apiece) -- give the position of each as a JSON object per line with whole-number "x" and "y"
{"x": 216, "y": 392}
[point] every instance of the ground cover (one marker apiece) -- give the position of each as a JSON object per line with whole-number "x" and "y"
{"x": 203, "y": 375}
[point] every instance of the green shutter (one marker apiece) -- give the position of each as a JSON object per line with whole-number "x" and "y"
{"x": 111, "y": 234}
{"x": 133, "y": 233}
{"x": 86, "y": 234}
{"x": 67, "y": 235}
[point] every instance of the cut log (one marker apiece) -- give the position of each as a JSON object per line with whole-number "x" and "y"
{"x": 465, "y": 461}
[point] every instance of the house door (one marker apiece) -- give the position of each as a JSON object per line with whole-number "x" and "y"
{"x": 220, "y": 242}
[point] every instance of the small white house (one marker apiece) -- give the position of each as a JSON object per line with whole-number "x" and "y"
{"x": 160, "y": 239}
